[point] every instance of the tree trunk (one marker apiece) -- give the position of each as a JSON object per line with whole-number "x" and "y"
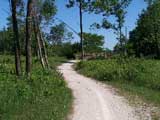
{"x": 120, "y": 39}
{"x": 39, "y": 53}
{"x": 3, "y": 37}
{"x": 44, "y": 49}
{"x": 28, "y": 37}
{"x": 40, "y": 41}
{"x": 81, "y": 29}
{"x": 16, "y": 38}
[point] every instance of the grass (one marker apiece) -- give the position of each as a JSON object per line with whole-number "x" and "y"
{"x": 136, "y": 76}
{"x": 44, "y": 96}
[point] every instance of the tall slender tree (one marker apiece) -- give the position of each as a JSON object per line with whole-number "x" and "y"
{"x": 44, "y": 11}
{"x": 39, "y": 46}
{"x": 82, "y": 5}
{"x": 28, "y": 37}
{"x": 16, "y": 37}
{"x": 107, "y": 8}
{"x": 120, "y": 12}
{"x": 81, "y": 28}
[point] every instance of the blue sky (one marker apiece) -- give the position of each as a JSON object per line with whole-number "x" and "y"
{"x": 71, "y": 17}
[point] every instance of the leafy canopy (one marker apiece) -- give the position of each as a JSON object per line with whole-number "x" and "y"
{"x": 93, "y": 42}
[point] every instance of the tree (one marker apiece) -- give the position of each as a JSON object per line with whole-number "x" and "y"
{"x": 121, "y": 46}
{"x": 81, "y": 4}
{"x": 59, "y": 41}
{"x": 120, "y": 15}
{"x": 44, "y": 10}
{"x": 28, "y": 37}
{"x": 6, "y": 41}
{"x": 145, "y": 38}
{"x": 20, "y": 16}
{"x": 81, "y": 27}
{"x": 150, "y": 2}
{"x": 16, "y": 37}
{"x": 93, "y": 43}
{"x": 58, "y": 34}
{"x": 115, "y": 8}
{"x": 39, "y": 45}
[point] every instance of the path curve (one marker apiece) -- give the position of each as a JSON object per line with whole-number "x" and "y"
{"x": 93, "y": 100}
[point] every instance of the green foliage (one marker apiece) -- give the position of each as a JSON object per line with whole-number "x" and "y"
{"x": 6, "y": 41}
{"x": 67, "y": 50}
{"x": 48, "y": 9}
{"x": 138, "y": 73}
{"x": 44, "y": 96}
{"x": 72, "y": 3}
{"x": 145, "y": 38}
{"x": 108, "y": 8}
{"x": 59, "y": 34}
{"x": 93, "y": 43}
{"x": 150, "y": 2}
{"x": 121, "y": 47}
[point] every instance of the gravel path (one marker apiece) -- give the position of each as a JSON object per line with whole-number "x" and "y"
{"x": 93, "y": 100}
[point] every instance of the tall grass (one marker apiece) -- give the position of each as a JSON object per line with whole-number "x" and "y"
{"x": 137, "y": 75}
{"x": 44, "y": 96}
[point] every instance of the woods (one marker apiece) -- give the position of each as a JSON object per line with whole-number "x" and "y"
{"x": 40, "y": 13}
{"x": 144, "y": 39}
{"x": 35, "y": 14}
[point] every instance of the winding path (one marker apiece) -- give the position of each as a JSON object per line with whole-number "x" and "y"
{"x": 93, "y": 100}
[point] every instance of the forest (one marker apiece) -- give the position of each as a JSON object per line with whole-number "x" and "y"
{"x": 33, "y": 45}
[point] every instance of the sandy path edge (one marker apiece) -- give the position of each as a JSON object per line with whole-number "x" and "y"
{"x": 93, "y": 100}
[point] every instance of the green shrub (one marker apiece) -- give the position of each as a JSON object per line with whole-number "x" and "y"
{"x": 141, "y": 72}
{"x": 44, "y": 96}
{"x": 137, "y": 73}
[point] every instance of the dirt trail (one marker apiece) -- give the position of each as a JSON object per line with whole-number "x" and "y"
{"x": 93, "y": 100}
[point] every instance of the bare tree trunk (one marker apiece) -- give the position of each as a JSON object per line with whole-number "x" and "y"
{"x": 40, "y": 41}
{"x": 28, "y": 37}
{"x": 81, "y": 29}
{"x": 120, "y": 38}
{"x": 3, "y": 37}
{"x": 39, "y": 52}
{"x": 16, "y": 38}
{"x": 44, "y": 48}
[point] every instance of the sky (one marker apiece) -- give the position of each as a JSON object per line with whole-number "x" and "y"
{"x": 71, "y": 17}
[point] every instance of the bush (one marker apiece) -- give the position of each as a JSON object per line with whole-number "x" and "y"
{"x": 139, "y": 71}
{"x": 133, "y": 76}
{"x": 44, "y": 96}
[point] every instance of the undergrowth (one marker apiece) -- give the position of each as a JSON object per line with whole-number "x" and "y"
{"x": 44, "y": 96}
{"x": 138, "y": 76}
